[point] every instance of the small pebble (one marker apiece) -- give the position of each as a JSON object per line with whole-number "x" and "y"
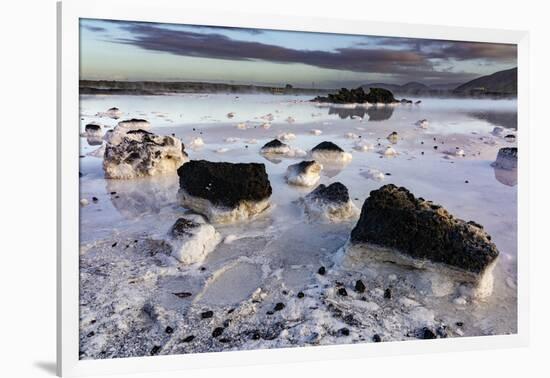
{"x": 376, "y": 338}
{"x": 360, "y": 286}
{"x": 342, "y": 292}
{"x": 343, "y": 331}
{"x": 207, "y": 314}
{"x": 279, "y": 306}
{"x": 217, "y": 331}
{"x": 300, "y": 294}
{"x": 188, "y": 339}
{"x": 155, "y": 350}
{"x": 387, "y": 294}
{"x": 322, "y": 271}
{"x": 169, "y": 330}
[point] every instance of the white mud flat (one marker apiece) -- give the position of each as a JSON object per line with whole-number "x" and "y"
{"x": 281, "y": 279}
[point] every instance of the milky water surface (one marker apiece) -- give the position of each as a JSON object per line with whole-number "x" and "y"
{"x": 283, "y": 246}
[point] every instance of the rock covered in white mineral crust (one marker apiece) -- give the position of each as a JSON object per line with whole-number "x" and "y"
{"x": 305, "y": 173}
{"x": 224, "y": 192}
{"x": 393, "y": 137}
{"x": 138, "y": 153}
{"x": 275, "y": 147}
{"x": 363, "y": 145}
{"x": 192, "y": 241}
{"x": 134, "y": 124}
{"x": 330, "y": 203}
{"x": 114, "y": 113}
{"x": 328, "y": 152}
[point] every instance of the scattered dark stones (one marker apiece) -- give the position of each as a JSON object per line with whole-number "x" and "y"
{"x": 188, "y": 339}
{"x": 279, "y": 306}
{"x": 342, "y": 292}
{"x": 300, "y": 294}
{"x": 217, "y": 332}
{"x": 255, "y": 335}
{"x": 343, "y": 332}
{"x": 91, "y": 334}
{"x": 114, "y": 244}
{"x": 322, "y": 271}
{"x": 155, "y": 350}
{"x": 95, "y": 199}
{"x": 225, "y": 184}
{"x": 393, "y": 217}
{"x": 376, "y": 338}
{"x": 360, "y": 286}
{"x": 224, "y": 340}
{"x": 270, "y": 312}
{"x": 441, "y": 331}
{"x": 182, "y": 294}
{"x": 466, "y": 181}
{"x": 207, "y": 314}
{"x": 426, "y": 334}
{"x": 435, "y": 147}
{"x": 387, "y": 293}
{"x": 169, "y": 330}
{"x": 459, "y": 324}
{"x": 226, "y": 322}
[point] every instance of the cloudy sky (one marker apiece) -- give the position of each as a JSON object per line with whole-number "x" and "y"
{"x": 120, "y": 50}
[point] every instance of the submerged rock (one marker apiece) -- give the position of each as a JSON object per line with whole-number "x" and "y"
{"x": 412, "y": 230}
{"x": 331, "y": 203}
{"x": 305, "y": 173}
{"x": 138, "y": 153}
{"x": 507, "y": 158}
{"x": 328, "y": 152}
{"x": 224, "y": 192}
{"x": 192, "y": 241}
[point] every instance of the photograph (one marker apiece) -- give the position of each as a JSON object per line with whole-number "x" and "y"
{"x": 250, "y": 189}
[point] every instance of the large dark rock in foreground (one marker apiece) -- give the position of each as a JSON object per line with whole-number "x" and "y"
{"x": 392, "y": 217}
{"x": 224, "y": 191}
{"x": 359, "y": 96}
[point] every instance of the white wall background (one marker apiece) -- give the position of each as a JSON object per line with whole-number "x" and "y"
{"x": 27, "y": 201}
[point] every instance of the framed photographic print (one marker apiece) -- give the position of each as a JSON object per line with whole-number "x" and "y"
{"x": 240, "y": 189}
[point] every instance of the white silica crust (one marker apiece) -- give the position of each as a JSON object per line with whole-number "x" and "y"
{"x": 331, "y": 156}
{"x": 316, "y": 132}
{"x": 423, "y": 124}
{"x": 363, "y": 146}
{"x": 279, "y": 150}
{"x": 286, "y": 136}
{"x": 194, "y": 247}
{"x": 373, "y": 174}
{"x": 388, "y": 151}
{"x": 445, "y": 279}
{"x": 217, "y": 214}
{"x": 308, "y": 177}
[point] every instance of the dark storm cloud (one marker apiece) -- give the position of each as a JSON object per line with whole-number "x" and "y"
{"x": 405, "y": 59}
{"x": 440, "y": 49}
{"x": 217, "y": 46}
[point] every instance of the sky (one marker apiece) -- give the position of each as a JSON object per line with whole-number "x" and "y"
{"x": 134, "y": 51}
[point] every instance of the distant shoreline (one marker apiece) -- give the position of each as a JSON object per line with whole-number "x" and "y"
{"x": 158, "y": 88}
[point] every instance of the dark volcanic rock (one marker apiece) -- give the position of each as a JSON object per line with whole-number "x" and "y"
{"x": 182, "y": 227}
{"x": 92, "y": 128}
{"x": 358, "y": 95}
{"x": 225, "y": 184}
{"x": 327, "y": 146}
{"x": 392, "y": 217}
{"x": 274, "y": 143}
{"x": 335, "y": 192}
{"x": 360, "y": 286}
{"x": 507, "y": 158}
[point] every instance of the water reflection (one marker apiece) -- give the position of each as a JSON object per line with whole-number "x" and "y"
{"x": 94, "y": 140}
{"x": 374, "y": 113}
{"x": 505, "y": 119}
{"x": 137, "y": 198}
{"x": 508, "y": 177}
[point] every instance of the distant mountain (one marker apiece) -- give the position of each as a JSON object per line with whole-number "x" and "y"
{"x": 501, "y": 82}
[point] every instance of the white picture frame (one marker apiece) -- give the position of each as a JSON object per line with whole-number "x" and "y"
{"x": 69, "y": 13}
